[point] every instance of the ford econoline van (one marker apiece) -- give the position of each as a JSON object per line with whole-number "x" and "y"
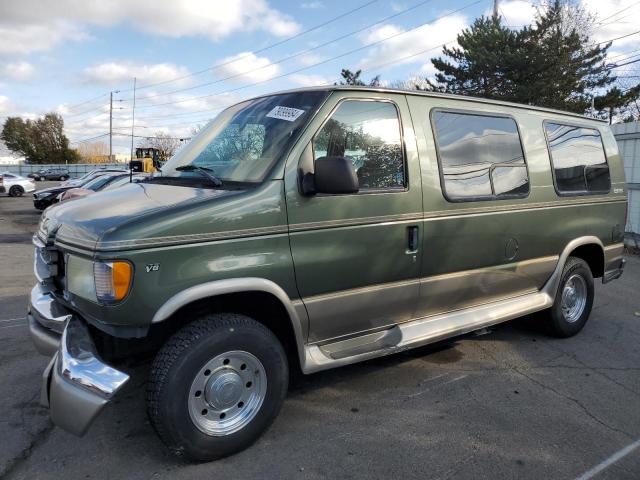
{"x": 312, "y": 229}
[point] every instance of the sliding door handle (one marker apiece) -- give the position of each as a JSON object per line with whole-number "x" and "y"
{"x": 412, "y": 239}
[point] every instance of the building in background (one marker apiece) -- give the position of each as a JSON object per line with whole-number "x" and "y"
{"x": 628, "y": 137}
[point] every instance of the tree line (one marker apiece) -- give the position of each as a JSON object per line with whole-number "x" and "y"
{"x": 43, "y": 141}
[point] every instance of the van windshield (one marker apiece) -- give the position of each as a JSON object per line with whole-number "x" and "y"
{"x": 246, "y": 140}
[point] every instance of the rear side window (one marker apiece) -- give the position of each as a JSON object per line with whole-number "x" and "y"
{"x": 578, "y": 159}
{"x": 480, "y": 156}
{"x": 368, "y": 134}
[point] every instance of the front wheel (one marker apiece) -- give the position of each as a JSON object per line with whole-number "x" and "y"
{"x": 63, "y": 178}
{"x": 16, "y": 191}
{"x": 574, "y": 299}
{"x": 216, "y": 385}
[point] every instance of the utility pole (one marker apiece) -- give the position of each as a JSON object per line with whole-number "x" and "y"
{"x": 110, "y": 126}
{"x": 111, "y": 123}
{"x": 133, "y": 123}
{"x": 495, "y": 8}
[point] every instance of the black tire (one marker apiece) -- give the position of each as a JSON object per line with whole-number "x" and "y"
{"x": 179, "y": 361}
{"x": 63, "y": 178}
{"x": 16, "y": 191}
{"x": 557, "y": 320}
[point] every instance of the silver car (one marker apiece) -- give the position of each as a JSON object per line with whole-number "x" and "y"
{"x": 15, "y": 185}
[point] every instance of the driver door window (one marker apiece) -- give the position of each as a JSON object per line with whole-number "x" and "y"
{"x": 368, "y": 134}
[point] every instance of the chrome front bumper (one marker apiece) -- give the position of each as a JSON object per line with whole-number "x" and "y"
{"x": 77, "y": 384}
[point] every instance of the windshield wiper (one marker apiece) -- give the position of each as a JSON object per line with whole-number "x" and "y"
{"x": 207, "y": 172}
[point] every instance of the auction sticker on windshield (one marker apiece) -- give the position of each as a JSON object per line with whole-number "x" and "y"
{"x": 285, "y": 113}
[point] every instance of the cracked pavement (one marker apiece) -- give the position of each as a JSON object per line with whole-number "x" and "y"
{"x": 513, "y": 403}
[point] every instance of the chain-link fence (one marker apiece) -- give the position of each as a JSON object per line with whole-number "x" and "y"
{"x": 75, "y": 169}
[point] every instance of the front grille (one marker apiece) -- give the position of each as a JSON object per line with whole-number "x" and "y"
{"x": 48, "y": 265}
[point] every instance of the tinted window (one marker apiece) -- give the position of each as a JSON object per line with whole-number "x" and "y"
{"x": 480, "y": 156}
{"x": 99, "y": 182}
{"x": 368, "y": 134}
{"x": 577, "y": 155}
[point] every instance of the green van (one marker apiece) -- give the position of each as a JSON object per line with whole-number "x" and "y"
{"x": 312, "y": 229}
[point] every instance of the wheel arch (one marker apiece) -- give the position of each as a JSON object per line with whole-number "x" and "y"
{"x": 262, "y": 299}
{"x": 589, "y": 248}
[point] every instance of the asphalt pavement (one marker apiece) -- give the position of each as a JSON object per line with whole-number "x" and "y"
{"x": 513, "y": 403}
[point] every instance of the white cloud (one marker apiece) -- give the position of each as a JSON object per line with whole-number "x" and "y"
{"x": 5, "y": 104}
{"x": 20, "y": 70}
{"x": 308, "y": 59}
{"x": 310, "y": 80}
{"x": 246, "y": 66}
{"x": 112, "y": 73}
{"x": 427, "y": 38}
{"x": 312, "y": 5}
{"x": 27, "y": 38}
{"x": 515, "y": 13}
{"x": 32, "y": 25}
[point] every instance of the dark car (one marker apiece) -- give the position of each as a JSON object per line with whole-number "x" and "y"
{"x": 48, "y": 196}
{"x": 61, "y": 174}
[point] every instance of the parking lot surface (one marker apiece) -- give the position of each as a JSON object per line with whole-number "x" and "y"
{"x": 513, "y": 403}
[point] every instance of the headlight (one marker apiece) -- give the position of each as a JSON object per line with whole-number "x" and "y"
{"x": 112, "y": 280}
{"x": 102, "y": 282}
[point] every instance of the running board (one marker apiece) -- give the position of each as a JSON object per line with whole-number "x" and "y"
{"x": 421, "y": 331}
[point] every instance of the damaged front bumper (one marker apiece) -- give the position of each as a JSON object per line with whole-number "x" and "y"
{"x": 77, "y": 384}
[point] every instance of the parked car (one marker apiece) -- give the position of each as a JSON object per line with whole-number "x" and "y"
{"x": 99, "y": 184}
{"x": 50, "y": 174}
{"x": 48, "y": 196}
{"x": 340, "y": 224}
{"x": 91, "y": 174}
{"x": 15, "y": 185}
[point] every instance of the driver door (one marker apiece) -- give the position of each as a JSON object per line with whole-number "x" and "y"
{"x": 356, "y": 256}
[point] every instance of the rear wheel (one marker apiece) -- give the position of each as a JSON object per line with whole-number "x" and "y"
{"x": 574, "y": 299}
{"x": 16, "y": 191}
{"x": 63, "y": 178}
{"x": 216, "y": 385}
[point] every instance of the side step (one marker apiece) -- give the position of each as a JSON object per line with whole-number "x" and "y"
{"x": 421, "y": 331}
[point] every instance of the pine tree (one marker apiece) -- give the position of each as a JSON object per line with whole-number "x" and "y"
{"x": 552, "y": 63}
{"x": 353, "y": 78}
{"x": 481, "y": 65}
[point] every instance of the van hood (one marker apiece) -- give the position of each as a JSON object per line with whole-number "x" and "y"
{"x": 107, "y": 214}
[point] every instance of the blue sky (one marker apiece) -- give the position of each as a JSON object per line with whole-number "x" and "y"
{"x": 66, "y": 56}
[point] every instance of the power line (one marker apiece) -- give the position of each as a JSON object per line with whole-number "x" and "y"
{"x": 349, "y": 52}
{"x": 147, "y": 136}
{"x": 619, "y": 11}
{"x": 268, "y": 47}
{"x": 624, "y": 64}
{"x": 89, "y": 139}
{"x": 289, "y": 57}
{"x": 316, "y": 27}
{"x": 87, "y": 101}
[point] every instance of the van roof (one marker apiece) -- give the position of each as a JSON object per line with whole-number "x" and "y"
{"x": 329, "y": 88}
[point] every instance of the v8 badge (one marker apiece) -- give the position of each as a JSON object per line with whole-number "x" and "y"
{"x": 152, "y": 267}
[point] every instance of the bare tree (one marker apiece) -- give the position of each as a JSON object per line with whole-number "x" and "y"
{"x": 94, "y": 152}
{"x": 165, "y": 145}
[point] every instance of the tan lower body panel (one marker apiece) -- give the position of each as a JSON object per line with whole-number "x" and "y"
{"x": 454, "y": 291}
{"x": 612, "y": 255}
{"x": 381, "y": 306}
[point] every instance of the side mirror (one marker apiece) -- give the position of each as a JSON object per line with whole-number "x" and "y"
{"x": 333, "y": 175}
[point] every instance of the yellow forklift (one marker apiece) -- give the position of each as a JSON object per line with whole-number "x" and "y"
{"x": 147, "y": 160}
